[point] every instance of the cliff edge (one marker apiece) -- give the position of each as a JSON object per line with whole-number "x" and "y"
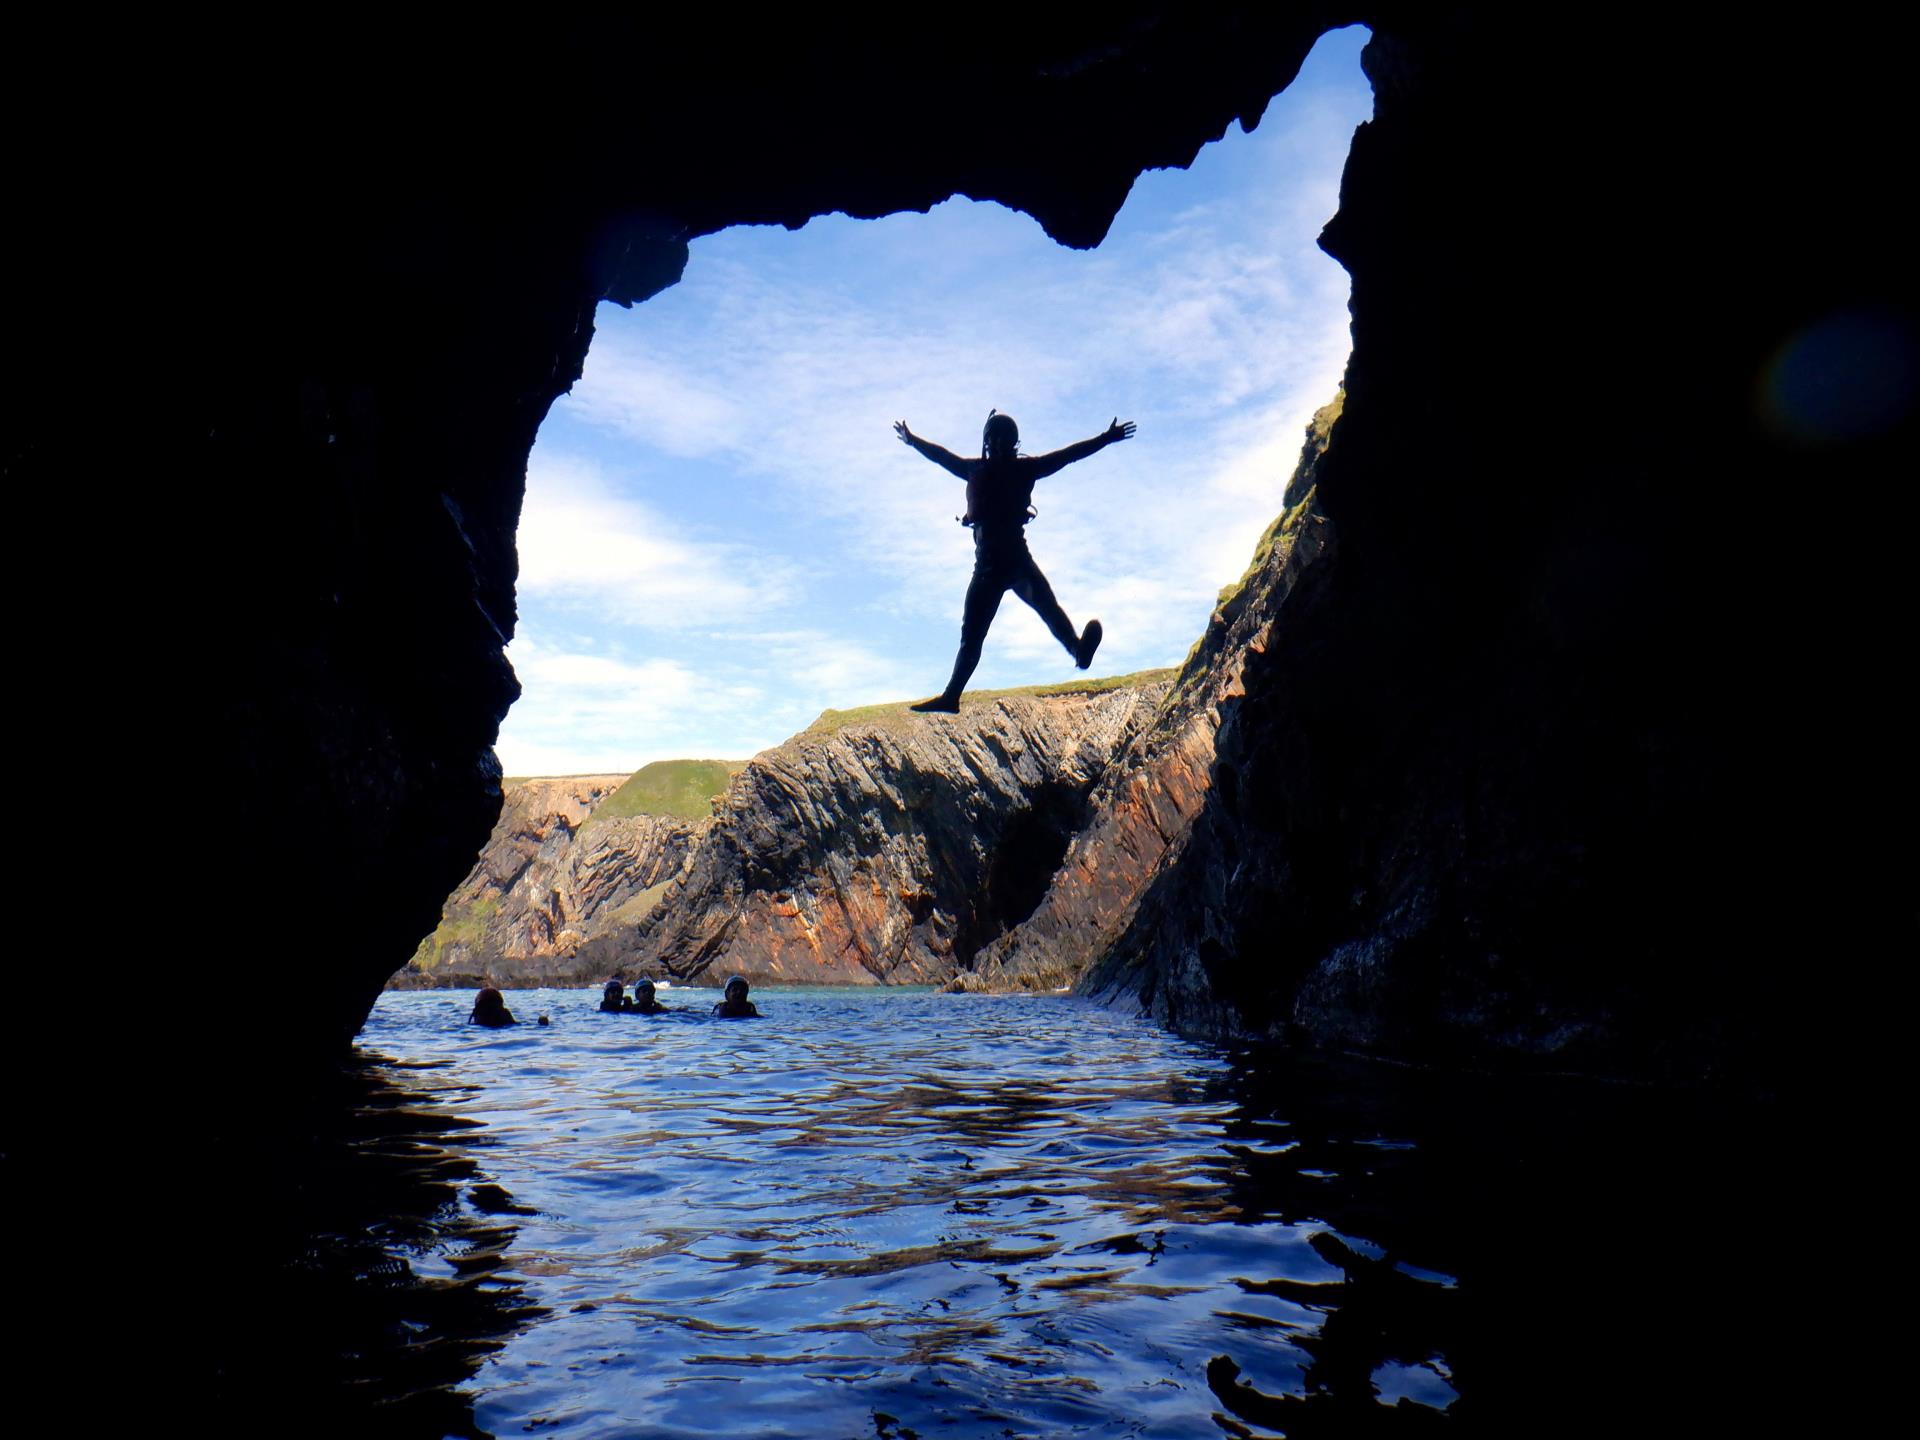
{"x": 882, "y": 847}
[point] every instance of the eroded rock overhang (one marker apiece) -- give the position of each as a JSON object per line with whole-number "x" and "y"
{"x": 1540, "y": 696}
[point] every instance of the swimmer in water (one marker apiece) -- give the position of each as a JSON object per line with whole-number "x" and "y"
{"x": 490, "y": 1010}
{"x": 643, "y": 1002}
{"x": 613, "y": 998}
{"x": 736, "y": 1006}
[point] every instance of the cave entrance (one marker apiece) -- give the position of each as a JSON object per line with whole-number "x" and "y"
{"x": 722, "y": 537}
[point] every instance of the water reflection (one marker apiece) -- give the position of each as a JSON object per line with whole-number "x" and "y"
{"x": 1540, "y": 1256}
{"x": 903, "y": 1215}
{"x": 366, "y": 1297}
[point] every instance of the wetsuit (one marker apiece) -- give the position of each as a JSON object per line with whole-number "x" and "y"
{"x": 1001, "y": 562}
{"x": 999, "y": 499}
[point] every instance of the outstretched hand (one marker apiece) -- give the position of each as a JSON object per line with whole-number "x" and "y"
{"x": 1119, "y": 430}
{"x": 900, "y": 429}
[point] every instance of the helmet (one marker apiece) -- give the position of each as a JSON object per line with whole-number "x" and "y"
{"x": 999, "y": 433}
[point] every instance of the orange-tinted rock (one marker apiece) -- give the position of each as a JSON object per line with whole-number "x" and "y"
{"x": 546, "y": 885}
{"x": 1142, "y": 808}
{"x": 888, "y": 851}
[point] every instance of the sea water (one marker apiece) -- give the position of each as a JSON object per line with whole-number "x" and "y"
{"x": 896, "y": 1213}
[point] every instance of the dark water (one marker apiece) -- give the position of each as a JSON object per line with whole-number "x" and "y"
{"x": 895, "y": 1214}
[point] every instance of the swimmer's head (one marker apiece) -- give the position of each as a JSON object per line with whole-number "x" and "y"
{"x": 736, "y": 989}
{"x": 612, "y": 990}
{"x": 642, "y": 987}
{"x": 489, "y": 1001}
{"x": 1001, "y": 437}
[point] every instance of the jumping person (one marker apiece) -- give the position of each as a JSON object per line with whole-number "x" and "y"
{"x": 999, "y": 504}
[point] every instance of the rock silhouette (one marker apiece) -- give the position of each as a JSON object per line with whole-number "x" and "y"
{"x": 1522, "y": 736}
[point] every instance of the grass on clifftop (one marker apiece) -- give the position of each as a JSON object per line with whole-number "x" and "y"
{"x": 465, "y": 928}
{"x": 831, "y": 722}
{"x": 679, "y": 789}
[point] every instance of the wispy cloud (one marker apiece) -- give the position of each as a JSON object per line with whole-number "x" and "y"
{"x": 722, "y": 491}
{"x": 587, "y": 544}
{"x": 586, "y": 713}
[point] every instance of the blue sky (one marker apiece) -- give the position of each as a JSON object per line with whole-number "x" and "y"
{"x": 722, "y": 537}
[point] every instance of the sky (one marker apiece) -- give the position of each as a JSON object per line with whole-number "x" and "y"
{"x": 722, "y": 536}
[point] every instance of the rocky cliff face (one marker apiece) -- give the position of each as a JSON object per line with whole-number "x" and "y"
{"x": 1141, "y": 812}
{"x": 888, "y": 849}
{"x": 1501, "y": 787}
{"x": 551, "y": 876}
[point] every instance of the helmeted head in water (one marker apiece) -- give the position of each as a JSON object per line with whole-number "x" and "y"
{"x": 612, "y": 990}
{"x": 1000, "y": 438}
{"x": 643, "y": 989}
{"x": 736, "y": 988}
{"x": 490, "y": 1008}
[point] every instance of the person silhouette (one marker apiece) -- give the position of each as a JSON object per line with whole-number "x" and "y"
{"x": 999, "y": 505}
{"x": 490, "y": 1010}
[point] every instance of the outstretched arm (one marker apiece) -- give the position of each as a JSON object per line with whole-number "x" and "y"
{"x": 1060, "y": 459}
{"x": 939, "y": 455}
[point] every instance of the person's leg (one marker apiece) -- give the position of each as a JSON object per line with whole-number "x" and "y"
{"x": 983, "y": 602}
{"x": 1032, "y": 586}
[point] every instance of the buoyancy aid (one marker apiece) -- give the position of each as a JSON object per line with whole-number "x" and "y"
{"x": 999, "y": 493}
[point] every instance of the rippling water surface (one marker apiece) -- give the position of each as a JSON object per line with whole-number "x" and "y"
{"x": 875, "y": 1212}
{"x": 896, "y": 1214}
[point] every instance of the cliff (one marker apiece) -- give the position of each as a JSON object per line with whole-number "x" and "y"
{"x": 569, "y": 859}
{"x": 881, "y": 846}
{"x": 1140, "y": 813}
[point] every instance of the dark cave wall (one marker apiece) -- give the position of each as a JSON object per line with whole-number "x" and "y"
{"x": 352, "y": 265}
{"x": 1511, "y": 783}
{"x": 1532, "y": 776}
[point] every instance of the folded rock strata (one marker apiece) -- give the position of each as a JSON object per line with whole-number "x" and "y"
{"x": 888, "y": 850}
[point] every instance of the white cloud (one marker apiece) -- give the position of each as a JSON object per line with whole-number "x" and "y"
{"x": 591, "y": 713}
{"x": 769, "y": 379}
{"x": 586, "y": 545}
{"x": 734, "y": 694}
{"x": 653, "y": 400}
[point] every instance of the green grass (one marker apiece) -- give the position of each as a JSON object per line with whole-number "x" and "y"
{"x": 466, "y": 928}
{"x": 832, "y": 722}
{"x": 1288, "y": 525}
{"x": 680, "y": 789}
{"x": 1281, "y": 533}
